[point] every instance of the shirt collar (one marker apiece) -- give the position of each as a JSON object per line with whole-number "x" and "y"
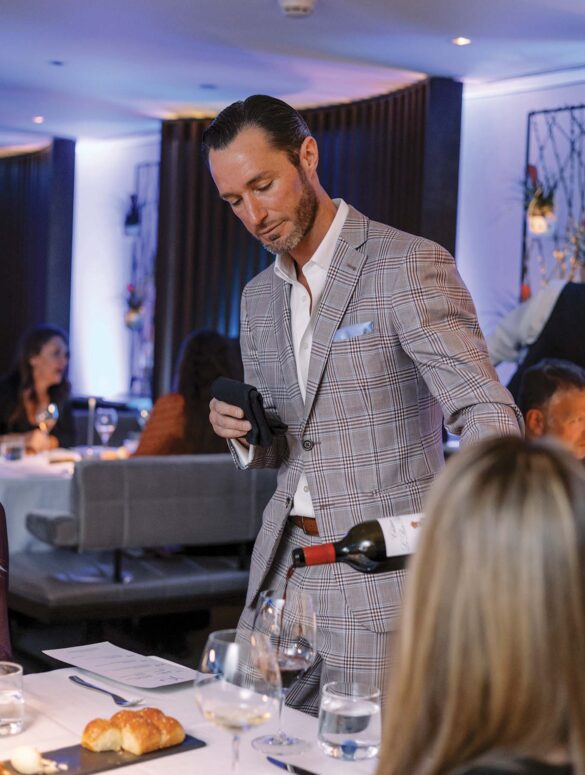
{"x": 284, "y": 265}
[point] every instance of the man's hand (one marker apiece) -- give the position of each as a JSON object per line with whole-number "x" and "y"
{"x": 227, "y": 421}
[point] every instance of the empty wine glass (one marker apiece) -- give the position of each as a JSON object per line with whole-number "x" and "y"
{"x": 105, "y": 423}
{"x": 46, "y": 419}
{"x": 239, "y": 685}
{"x": 290, "y": 624}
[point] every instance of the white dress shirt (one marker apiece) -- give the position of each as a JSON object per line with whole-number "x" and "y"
{"x": 303, "y": 316}
{"x": 522, "y": 326}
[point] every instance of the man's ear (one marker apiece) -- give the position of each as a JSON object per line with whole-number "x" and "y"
{"x": 309, "y": 155}
{"x": 534, "y": 422}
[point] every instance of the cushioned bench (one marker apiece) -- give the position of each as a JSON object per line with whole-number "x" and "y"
{"x": 93, "y": 569}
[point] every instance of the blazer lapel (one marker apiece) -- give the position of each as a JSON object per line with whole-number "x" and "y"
{"x": 344, "y": 272}
{"x": 281, "y": 318}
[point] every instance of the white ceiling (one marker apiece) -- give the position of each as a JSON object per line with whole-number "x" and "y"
{"x": 129, "y": 63}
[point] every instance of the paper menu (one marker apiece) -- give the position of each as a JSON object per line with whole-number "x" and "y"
{"x": 123, "y": 666}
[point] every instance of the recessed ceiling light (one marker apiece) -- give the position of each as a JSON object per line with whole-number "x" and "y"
{"x": 461, "y": 41}
{"x": 56, "y": 62}
{"x": 208, "y": 86}
{"x": 38, "y": 119}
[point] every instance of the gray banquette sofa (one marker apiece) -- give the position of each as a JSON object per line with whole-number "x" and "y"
{"x": 104, "y": 558}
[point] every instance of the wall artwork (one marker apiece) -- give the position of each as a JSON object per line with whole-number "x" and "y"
{"x": 141, "y": 225}
{"x": 554, "y": 201}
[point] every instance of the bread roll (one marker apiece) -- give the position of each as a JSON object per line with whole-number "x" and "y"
{"x": 135, "y": 731}
{"x": 101, "y": 735}
{"x": 139, "y": 735}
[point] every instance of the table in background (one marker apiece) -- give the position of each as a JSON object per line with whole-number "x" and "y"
{"x": 28, "y": 484}
{"x": 57, "y": 712}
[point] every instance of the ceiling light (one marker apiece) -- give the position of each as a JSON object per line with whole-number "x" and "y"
{"x": 38, "y": 119}
{"x": 461, "y": 41}
{"x": 296, "y": 7}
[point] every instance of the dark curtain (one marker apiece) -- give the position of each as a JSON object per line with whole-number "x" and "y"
{"x": 371, "y": 155}
{"x": 36, "y": 228}
{"x": 24, "y": 219}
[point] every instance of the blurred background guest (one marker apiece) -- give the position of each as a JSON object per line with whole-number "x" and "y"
{"x": 179, "y": 423}
{"x": 489, "y": 677}
{"x": 38, "y": 380}
{"x": 552, "y": 400}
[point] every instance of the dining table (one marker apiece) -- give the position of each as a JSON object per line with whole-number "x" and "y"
{"x": 57, "y": 711}
{"x": 34, "y": 482}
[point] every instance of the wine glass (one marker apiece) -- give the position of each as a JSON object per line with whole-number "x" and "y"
{"x": 289, "y": 621}
{"x": 47, "y": 418}
{"x": 105, "y": 423}
{"x": 239, "y": 685}
{"x": 142, "y": 417}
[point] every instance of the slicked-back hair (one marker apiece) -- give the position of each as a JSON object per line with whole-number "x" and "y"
{"x": 285, "y": 127}
{"x": 551, "y": 375}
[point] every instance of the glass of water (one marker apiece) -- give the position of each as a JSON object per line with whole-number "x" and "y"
{"x": 11, "y": 698}
{"x": 349, "y": 720}
{"x": 106, "y": 421}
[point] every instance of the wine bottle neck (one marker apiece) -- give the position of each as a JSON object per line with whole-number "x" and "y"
{"x": 315, "y": 555}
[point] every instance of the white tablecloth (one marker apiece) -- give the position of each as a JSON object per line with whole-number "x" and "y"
{"x": 28, "y": 484}
{"x": 57, "y": 711}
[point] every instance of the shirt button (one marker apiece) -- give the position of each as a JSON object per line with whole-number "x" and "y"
{"x": 308, "y": 444}
{"x": 306, "y": 488}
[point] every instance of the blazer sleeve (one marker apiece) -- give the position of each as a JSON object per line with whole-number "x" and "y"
{"x": 273, "y": 456}
{"x": 437, "y": 324}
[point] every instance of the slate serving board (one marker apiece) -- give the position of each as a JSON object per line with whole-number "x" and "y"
{"x": 80, "y": 761}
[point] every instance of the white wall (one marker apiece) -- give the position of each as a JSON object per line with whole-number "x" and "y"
{"x": 493, "y": 151}
{"x": 100, "y": 343}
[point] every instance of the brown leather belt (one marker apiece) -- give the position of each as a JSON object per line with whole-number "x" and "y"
{"x": 307, "y": 524}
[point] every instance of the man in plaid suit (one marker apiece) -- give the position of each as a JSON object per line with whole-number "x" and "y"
{"x": 360, "y": 337}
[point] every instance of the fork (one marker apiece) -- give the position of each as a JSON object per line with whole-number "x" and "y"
{"x": 116, "y": 697}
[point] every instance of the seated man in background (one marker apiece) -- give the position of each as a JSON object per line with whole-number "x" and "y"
{"x": 552, "y": 399}
{"x": 548, "y": 325}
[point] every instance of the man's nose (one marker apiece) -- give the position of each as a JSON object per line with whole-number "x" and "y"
{"x": 255, "y": 211}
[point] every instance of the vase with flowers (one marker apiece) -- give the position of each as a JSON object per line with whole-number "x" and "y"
{"x": 134, "y": 315}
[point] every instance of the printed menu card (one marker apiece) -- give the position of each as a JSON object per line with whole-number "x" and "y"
{"x": 124, "y": 666}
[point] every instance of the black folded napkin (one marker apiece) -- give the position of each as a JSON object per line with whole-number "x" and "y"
{"x": 264, "y": 427}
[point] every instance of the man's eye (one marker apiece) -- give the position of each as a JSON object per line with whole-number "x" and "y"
{"x": 233, "y": 202}
{"x": 264, "y": 187}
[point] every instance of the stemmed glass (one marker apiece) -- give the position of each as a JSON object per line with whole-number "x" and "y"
{"x": 105, "y": 423}
{"x": 239, "y": 685}
{"x": 290, "y": 624}
{"x": 47, "y": 418}
{"x": 143, "y": 417}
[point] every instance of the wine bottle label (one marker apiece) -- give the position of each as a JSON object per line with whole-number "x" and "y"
{"x": 319, "y": 555}
{"x": 401, "y": 533}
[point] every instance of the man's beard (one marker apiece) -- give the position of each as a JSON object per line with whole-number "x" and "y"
{"x": 305, "y": 215}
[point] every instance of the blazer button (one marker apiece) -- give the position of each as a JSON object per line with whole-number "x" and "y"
{"x": 308, "y": 444}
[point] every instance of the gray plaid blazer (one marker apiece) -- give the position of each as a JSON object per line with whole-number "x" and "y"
{"x": 368, "y": 435}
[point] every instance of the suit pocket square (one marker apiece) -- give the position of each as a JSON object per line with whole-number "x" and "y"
{"x": 351, "y": 332}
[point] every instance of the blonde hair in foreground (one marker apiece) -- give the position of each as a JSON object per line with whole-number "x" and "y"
{"x": 491, "y": 661}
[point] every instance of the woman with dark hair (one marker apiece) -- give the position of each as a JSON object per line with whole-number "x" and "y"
{"x": 489, "y": 677}
{"x": 38, "y": 380}
{"x": 179, "y": 423}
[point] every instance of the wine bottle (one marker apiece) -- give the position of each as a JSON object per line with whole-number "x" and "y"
{"x": 370, "y": 547}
